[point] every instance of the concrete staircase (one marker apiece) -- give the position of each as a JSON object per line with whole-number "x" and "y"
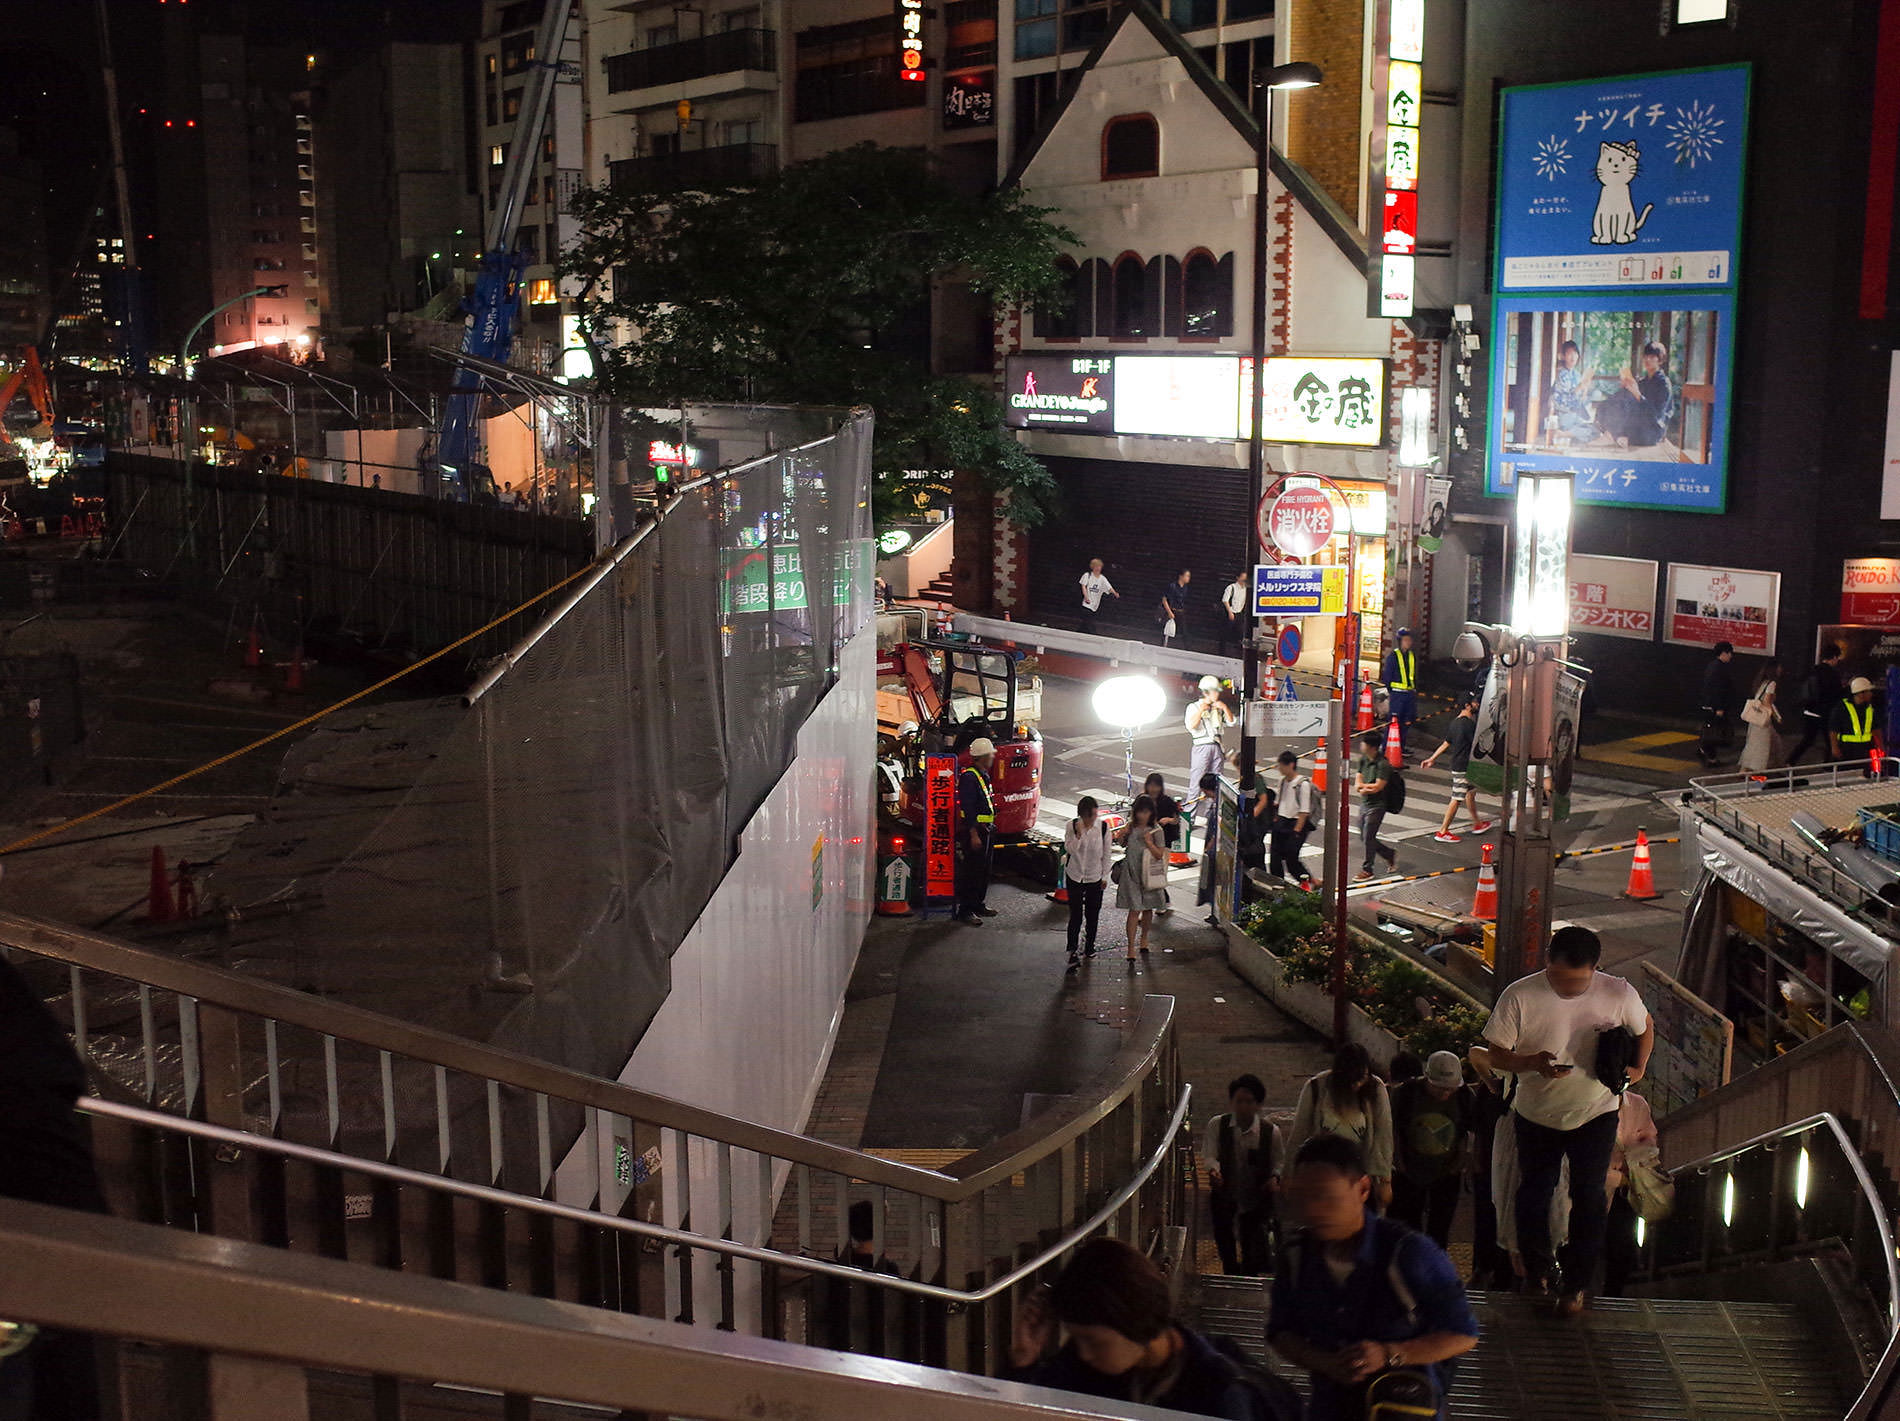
{"x": 1628, "y": 1359}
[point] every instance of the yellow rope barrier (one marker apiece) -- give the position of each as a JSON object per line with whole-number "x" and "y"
{"x": 308, "y": 720}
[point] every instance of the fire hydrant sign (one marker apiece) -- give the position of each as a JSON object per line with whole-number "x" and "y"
{"x": 1299, "y": 522}
{"x": 1292, "y": 589}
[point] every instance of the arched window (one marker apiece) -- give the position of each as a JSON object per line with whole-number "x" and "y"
{"x": 1207, "y": 296}
{"x": 1131, "y": 147}
{"x": 1134, "y": 301}
{"x": 1060, "y": 321}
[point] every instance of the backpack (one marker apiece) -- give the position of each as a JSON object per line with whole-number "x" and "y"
{"x": 1274, "y": 1397}
{"x": 1399, "y": 1396}
{"x": 1394, "y": 789}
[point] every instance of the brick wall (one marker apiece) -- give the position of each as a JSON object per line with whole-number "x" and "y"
{"x": 1280, "y": 273}
{"x": 1322, "y": 129}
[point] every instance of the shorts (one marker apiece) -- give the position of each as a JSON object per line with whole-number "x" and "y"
{"x": 1459, "y": 784}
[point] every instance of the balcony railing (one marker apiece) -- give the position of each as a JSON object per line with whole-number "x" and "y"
{"x": 692, "y": 59}
{"x": 730, "y": 166}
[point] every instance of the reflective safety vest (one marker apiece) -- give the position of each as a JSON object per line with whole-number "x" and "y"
{"x": 989, "y": 799}
{"x": 1406, "y": 663}
{"x": 1860, "y": 730}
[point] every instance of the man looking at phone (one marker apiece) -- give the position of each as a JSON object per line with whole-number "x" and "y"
{"x": 1544, "y": 1030}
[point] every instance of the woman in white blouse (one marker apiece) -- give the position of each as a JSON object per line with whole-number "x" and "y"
{"x": 1349, "y": 1100}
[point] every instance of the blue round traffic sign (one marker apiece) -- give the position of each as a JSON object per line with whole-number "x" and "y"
{"x": 1289, "y": 645}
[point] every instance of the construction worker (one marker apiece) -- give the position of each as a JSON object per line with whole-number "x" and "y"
{"x": 1853, "y": 730}
{"x": 1401, "y": 685}
{"x": 976, "y": 809}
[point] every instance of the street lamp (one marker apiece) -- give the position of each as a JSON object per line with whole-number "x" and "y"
{"x": 1265, "y": 81}
{"x": 190, "y": 421}
{"x": 1128, "y": 703}
{"x": 1530, "y": 647}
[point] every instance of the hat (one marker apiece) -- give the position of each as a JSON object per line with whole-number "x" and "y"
{"x": 1443, "y": 1070}
{"x": 1859, "y": 684}
{"x": 1210, "y": 683}
{"x": 982, "y": 746}
{"x": 1405, "y": 631}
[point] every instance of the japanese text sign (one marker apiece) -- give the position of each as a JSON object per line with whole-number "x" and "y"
{"x": 1870, "y": 592}
{"x": 1320, "y": 400}
{"x": 1399, "y": 110}
{"x": 1299, "y": 522}
{"x": 940, "y": 826}
{"x": 910, "y": 40}
{"x": 1298, "y": 590}
{"x": 1613, "y": 596}
{"x": 1706, "y": 605}
{"x": 1634, "y": 180}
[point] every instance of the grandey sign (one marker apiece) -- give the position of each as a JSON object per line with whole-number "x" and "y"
{"x": 1059, "y": 392}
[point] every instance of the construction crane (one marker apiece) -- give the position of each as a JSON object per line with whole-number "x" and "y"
{"x": 490, "y": 332}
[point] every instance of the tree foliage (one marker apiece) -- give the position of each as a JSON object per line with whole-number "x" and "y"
{"x": 791, "y": 291}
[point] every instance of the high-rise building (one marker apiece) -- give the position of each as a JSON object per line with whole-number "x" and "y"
{"x": 24, "y": 296}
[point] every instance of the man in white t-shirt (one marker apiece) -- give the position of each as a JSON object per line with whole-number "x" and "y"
{"x": 1232, "y": 628}
{"x": 1093, "y": 586}
{"x": 1544, "y": 1030}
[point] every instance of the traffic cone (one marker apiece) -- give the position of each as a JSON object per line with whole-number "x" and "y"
{"x": 158, "y": 902}
{"x": 253, "y": 647}
{"x": 1061, "y": 895}
{"x": 1642, "y": 880}
{"x": 1484, "y": 905}
{"x": 1269, "y": 691}
{"x": 1319, "y": 766}
{"x": 1394, "y": 747}
{"x": 1364, "y": 720}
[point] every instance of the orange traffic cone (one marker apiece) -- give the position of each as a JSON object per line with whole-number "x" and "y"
{"x": 1319, "y": 766}
{"x": 1484, "y": 906}
{"x": 253, "y": 647}
{"x": 1394, "y": 747}
{"x": 1364, "y": 721}
{"x": 1642, "y": 879}
{"x": 158, "y": 902}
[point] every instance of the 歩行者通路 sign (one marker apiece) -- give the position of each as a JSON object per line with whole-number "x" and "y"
{"x": 940, "y": 827}
{"x": 1299, "y": 522}
{"x": 1298, "y": 590}
{"x": 1068, "y": 392}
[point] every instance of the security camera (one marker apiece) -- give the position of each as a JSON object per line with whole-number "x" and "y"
{"x": 1470, "y": 651}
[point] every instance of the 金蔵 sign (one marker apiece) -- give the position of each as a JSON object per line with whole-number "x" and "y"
{"x": 1292, "y": 589}
{"x": 1320, "y": 400}
{"x": 1634, "y": 180}
{"x": 1870, "y": 592}
{"x": 1706, "y": 605}
{"x": 1069, "y": 392}
{"x": 1613, "y": 596}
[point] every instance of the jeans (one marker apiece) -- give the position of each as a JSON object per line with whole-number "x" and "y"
{"x": 1240, "y": 1239}
{"x": 1286, "y": 844}
{"x": 1541, "y": 1152}
{"x": 1228, "y": 633}
{"x": 1085, "y": 907}
{"x": 1429, "y": 1208}
{"x": 1371, "y": 818}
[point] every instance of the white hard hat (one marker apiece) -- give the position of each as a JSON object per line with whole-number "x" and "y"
{"x": 981, "y": 746}
{"x": 1210, "y": 683}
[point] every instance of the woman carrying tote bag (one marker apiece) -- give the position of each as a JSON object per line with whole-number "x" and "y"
{"x": 1141, "y": 878}
{"x": 1761, "y": 718}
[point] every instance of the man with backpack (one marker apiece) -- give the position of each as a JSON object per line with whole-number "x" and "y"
{"x": 1293, "y": 817}
{"x": 1381, "y": 790}
{"x": 1819, "y": 695}
{"x": 1243, "y": 1152}
{"x": 1373, "y": 1311}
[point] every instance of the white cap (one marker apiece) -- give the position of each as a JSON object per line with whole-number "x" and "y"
{"x": 981, "y": 746}
{"x": 1210, "y": 683}
{"x": 1443, "y": 1070}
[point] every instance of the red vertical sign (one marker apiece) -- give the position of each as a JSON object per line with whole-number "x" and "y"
{"x": 940, "y": 826}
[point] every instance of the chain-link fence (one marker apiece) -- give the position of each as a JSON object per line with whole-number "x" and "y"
{"x": 569, "y": 825}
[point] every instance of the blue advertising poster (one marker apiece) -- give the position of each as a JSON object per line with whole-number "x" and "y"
{"x": 1630, "y": 391}
{"x": 1630, "y": 181}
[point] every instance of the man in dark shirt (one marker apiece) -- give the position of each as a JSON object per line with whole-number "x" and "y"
{"x": 1431, "y": 1115}
{"x": 1371, "y": 776}
{"x": 1173, "y": 608}
{"x": 976, "y": 831}
{"x": 1822, "y": 693}
{"x": 1335, "y": 1309}
{"x": 1459, "y": 737}
{"x": 1718, "y": 704}
{"x": 1637, "y": 415}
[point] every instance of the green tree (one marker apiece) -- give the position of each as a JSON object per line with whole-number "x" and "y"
{"x": 789, "y": 291}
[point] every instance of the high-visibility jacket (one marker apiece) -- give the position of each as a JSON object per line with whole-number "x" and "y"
{"x": 1404, "y": 671}
{"x": 976, "y": 800}
{"x": 1860, "y": 724}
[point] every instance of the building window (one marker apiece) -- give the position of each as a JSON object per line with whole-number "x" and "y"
{"x": 517, "y": 53}
{"x": 850, "y": 69}
{"x": 746, "y": 19}
{"x": 1035, "y": 28}
{"x": 661, "y": 35}
{"x": 1194, "y": 14}
{"x": 1207, "y": 296}
{"x": 1238, "y": 10}
{"x": 1134, "y": 299}
{"x": 1076, "y": 319}
{"x": 1037, "y": 97}
{"x": 541, "y": 292}
{"x": 497, "y": 154}
{"x": 1131, "y": 147}
{"x": 510, "y": 105}
{"x": 488, "y": 66}
{"x": 1240, "y": 59}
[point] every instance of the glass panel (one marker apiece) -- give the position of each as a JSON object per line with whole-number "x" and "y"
{"x": 1037, "y": 41}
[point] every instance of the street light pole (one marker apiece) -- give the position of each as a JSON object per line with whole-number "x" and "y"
{"x": 190, "y": 411}
{"x": 1265, "y": 81}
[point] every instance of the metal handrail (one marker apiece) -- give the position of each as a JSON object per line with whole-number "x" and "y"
{"x": 1831, "y": 1122}
{"x": 220, "y": 987}
{"x": 114, "y": 1278}
{"x": 310, "y": 1154}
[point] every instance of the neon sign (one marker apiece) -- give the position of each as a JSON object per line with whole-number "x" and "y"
{"x": 910, "y": 40}
{"x": 1401, "y": 113}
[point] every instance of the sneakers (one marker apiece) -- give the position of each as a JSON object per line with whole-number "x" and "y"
{"x": 969, "y": 920}
{"x": 1446, "y": 838}
{"x": 1482, "y": 825}
{"x": 987, "y": 912}
{"x": 1075, "y": 963}
{"x": 1363, "y": 876}
{"x": 1572, "y": 1304}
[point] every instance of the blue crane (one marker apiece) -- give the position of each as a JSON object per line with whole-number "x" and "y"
{"x": 490, "y": 332}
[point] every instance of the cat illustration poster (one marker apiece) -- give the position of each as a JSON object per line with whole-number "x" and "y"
{"x": 1631, "y": 181}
